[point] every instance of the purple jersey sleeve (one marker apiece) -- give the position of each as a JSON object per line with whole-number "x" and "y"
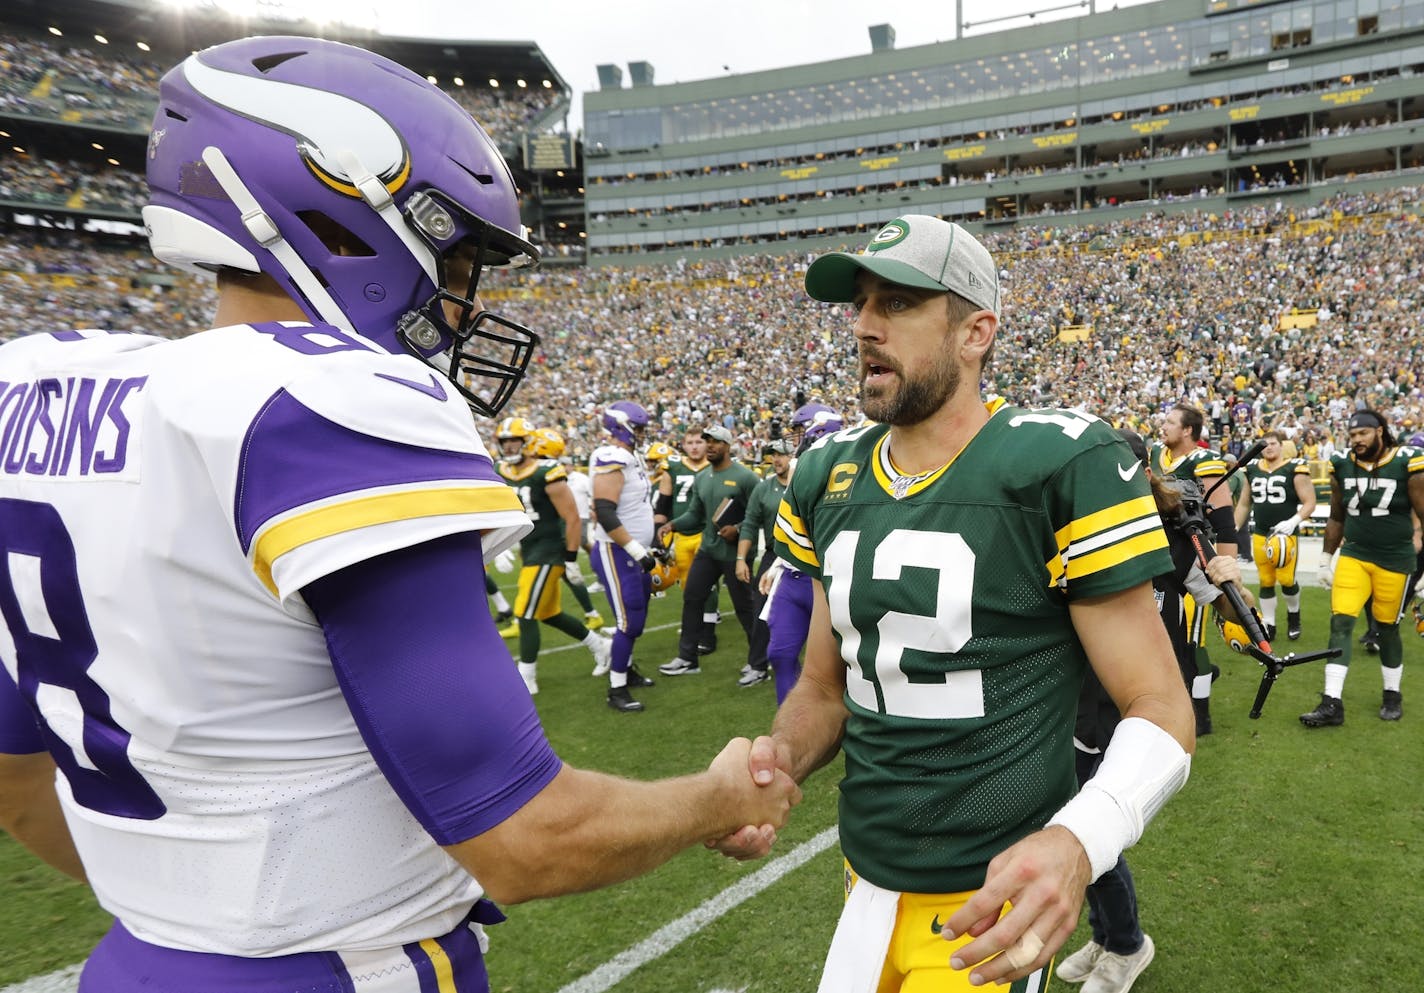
{"x": 19, "y": 730}
{"x": 433, "y": 690}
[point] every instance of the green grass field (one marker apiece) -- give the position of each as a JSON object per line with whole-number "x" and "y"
{"x": 1285, "y": 864}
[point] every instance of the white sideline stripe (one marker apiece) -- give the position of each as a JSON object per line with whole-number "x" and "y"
{"x": 64, "y": 980}
{"x": 668, "y": 937}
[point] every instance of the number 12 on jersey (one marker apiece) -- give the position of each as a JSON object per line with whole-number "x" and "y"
{"x": 957, "y": 694}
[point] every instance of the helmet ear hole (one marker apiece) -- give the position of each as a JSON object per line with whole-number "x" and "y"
{"x": 338, "y": 239}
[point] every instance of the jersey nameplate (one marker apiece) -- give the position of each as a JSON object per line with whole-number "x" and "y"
{"x": 70, "y": 428}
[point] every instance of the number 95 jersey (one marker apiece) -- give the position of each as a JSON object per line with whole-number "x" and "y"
{"x": 949, "y": 595}
{"x": 162, "y": 505}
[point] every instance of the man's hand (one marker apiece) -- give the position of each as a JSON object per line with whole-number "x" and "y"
{"x": 743, "y": 571}
{"x": 664, "y": 530}
{"x": 1326, "y": 573}
{"x": 729, "y": 533}
{"x": 1043, "y": 877}
{"x": 1287, "y": 526}
{"x": 766, "y": 765}
{"x": 765, "y": 797}
{"x": 505, "y": 560}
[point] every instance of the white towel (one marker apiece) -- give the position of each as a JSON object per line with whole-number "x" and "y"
{"x": 862, "y": 939}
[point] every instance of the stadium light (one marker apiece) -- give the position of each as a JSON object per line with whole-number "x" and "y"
{"x": 143, "y": 46}
{"x": 432, "y": 80}
{"x": 55, "y": 31}
{"x": 459, "y": 80}
{"x": 101, "y": 39}
{"x": 96, "y": 146}
{"x": 113, "y": 162}
{"x": 548, "y": 84}
{"x": 494, "y": 83}
{"x": 520, "y": 83}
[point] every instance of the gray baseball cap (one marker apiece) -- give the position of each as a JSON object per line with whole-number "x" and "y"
{"x": 716, "y": 432}
{"x": 912, "y": 250}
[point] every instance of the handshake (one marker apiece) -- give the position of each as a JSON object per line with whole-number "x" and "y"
{"x": 648, "y": 558}
{"x": 760, "y": 792}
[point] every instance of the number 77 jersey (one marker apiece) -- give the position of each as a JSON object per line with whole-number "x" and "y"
{"x": 949, "y": 594}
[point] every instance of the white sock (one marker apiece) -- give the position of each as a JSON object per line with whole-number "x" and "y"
{"x": 1201, "y": 687}
{"x": 1392, "y": 676}
{"x": 1335, "y": 679}
{"x": 1293, "y": 601}
{"x": 591, "y": 639}
{"x": 709, "y": 618}
{"x": 500, "y": 603}
{"x": 1268, "y": 609}
{"x": 617, "y": 680}
{"x": 528, "y": 669}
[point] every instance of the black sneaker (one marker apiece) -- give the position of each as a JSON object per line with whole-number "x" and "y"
{"x": 1330, "y": 713}
{"x": 505, "y": 616}
{"x": 1370, "y": 639}
{"x": 621, "y": 700}
{"x": 707, "y": 645}
{"x": 636, "y": 680}
{"x": 753, "y": 676}
{"x": 1270, "y": 632}
{"x": 1293, "y": 625}
{"x": 1202, "y": 710}
{"x": 1393, "y": 707}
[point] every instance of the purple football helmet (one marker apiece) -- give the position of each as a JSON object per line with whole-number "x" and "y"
{"x": 372, "y": 198}
{"x": 813, "y": 421}
{"x": 626, "y": 421}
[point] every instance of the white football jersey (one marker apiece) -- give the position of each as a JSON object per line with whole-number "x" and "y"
{"x": 162, "y": 504}
{"x": 634, "y": 509}
{"x": 582, "y": 489}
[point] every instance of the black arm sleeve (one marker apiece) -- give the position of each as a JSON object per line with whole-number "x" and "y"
{"x": 662, "y": 506}
{"x": 1223, "y": 522}
{"x": 606, "y": 513}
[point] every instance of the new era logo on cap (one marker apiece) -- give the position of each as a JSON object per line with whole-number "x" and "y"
{"x": 914, "y": 250}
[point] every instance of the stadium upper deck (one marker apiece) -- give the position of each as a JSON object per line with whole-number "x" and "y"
{"x": 1128, "y": 109}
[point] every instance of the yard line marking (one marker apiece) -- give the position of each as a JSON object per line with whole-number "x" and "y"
{"x": 64, "y": 980}
{"x": 668, "y": 937}
{"x": 575, "y": 644}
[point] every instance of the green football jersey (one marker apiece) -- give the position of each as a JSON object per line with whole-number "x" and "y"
{"x": 683, "y": 476}
{"x": 1273, "y": 496}
{"x": 949, "y": 596}
{"x": 719, "y": 497}
{"x": 1377, "y": 525}
{"x": 545, "y": 544}
{"x": 1199, "y": 464}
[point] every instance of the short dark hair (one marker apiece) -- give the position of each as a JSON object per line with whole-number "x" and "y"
{"x": 1192, "y": 419}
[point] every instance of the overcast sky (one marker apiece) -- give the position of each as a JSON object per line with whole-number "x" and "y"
{"x": 685, "y": 41}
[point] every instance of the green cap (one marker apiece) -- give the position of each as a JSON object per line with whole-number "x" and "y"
{"x": 913, "y": 250}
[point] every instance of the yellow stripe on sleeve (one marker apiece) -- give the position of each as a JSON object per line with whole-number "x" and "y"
{"x": 386, "y": 508}
{"x": 444, "y": 971}
{"x": 804, "y": 554}
{"x": 1207, "y": 468}
{"x": 1106, "y": 558}
{"x": 1105, "y": 519}
{"x": 1416, "y": 464}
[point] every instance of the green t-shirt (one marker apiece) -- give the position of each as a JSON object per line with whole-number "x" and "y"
{"x": 683, "y": 476}
{"x": 1377, "y": 525}
{"x": 761, "y": 512}
{"x": 949, "y": 598}
{"x": 545, "y": 544}
{"x": 718, "y": 497}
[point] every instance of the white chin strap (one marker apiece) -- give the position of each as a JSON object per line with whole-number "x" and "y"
{"x": 262, "y": 229}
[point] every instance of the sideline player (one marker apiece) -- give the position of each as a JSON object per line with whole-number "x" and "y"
{"x": 968, "y": 560}
{"x": 1374, "y": 487}
{"x": 621, "y": 536}
{"x": 1277, "y": 497}
{"x": 543, "y": 489}
{"x": 1179, "y": 456}
{"x": 235, "y": 587}
{"x": 550, "y": 444}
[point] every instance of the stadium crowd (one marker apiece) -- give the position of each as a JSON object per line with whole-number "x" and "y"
{"x": 1185, "y": 305}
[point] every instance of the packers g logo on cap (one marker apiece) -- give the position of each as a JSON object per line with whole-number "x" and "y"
{"x": 891, "y": 234}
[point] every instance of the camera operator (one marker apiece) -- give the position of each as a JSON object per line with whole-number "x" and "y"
{"x": 1119, "y": 950}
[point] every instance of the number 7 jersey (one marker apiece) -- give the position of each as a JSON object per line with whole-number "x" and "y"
{"x": 949, "y": 596}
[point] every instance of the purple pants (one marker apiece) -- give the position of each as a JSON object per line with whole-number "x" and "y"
{"x": 629, "y": 589}
{"x": 122, "y": 963}
{"x": 788, "y": 616}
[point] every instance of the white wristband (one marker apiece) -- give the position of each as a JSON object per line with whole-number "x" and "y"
{"x": 635, "y": 549}
{"x": 1142, "y": 767}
